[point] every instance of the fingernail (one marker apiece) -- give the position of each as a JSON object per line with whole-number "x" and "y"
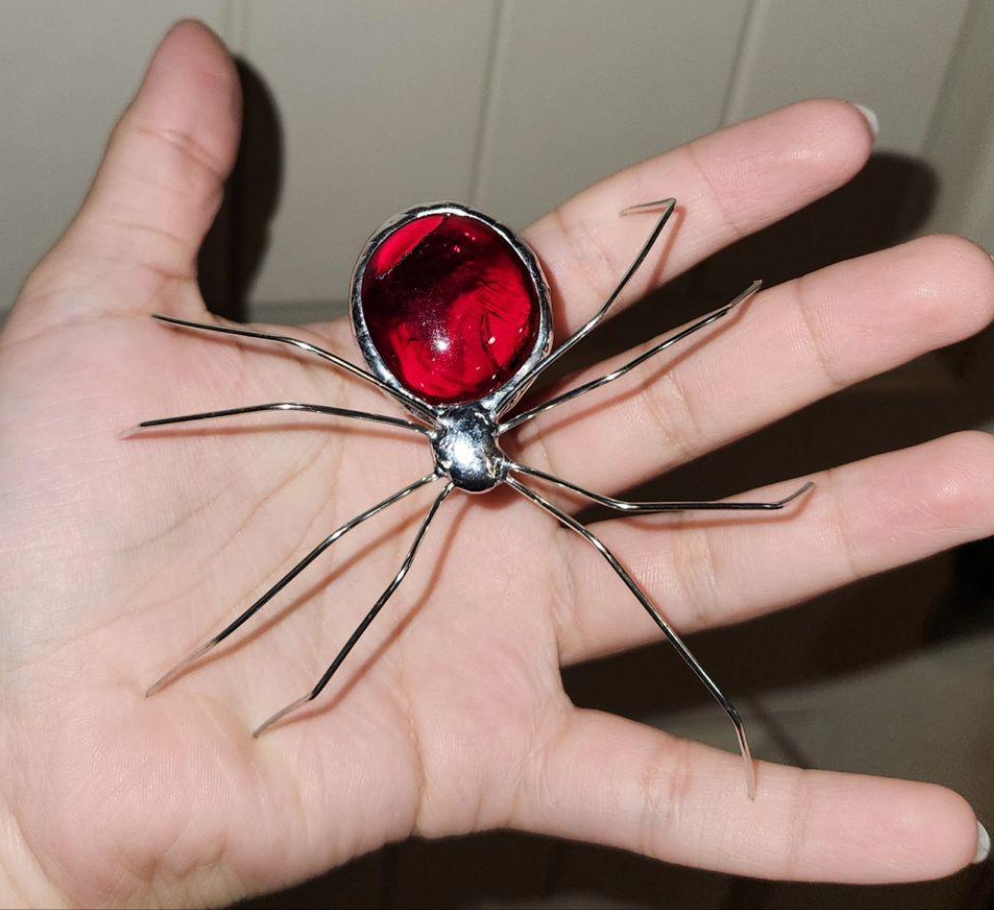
{"x": 983, "y": 844}
{"x": 870, "y": 116}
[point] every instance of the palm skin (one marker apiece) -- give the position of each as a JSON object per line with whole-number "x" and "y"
{"x": 480, "y": 679}
{"x": 119, "y": 556}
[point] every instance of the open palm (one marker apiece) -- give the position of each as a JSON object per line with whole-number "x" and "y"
{"x": 119, "y": 556}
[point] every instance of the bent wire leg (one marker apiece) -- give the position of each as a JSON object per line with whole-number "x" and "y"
{"x": 667, "y": 206}
{"x": 168, "y": 677}
{"x": 397, "y": 394}
{"x": 278, "y": 406}
{"x": 569, "y": 395}
{"x": 370, "y": 616}
{"x": 668, "y": 631}
{"x": 650, "y": 507}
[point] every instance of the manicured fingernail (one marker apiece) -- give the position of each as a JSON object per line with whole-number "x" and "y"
{"x": 870, "y": 116}
{"x": 983, "y": 844}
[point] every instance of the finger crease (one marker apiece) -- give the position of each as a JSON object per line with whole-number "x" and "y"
{"x": 663, "y": 792}
{"x": 797, "y": 832}
{"x": 546, "y": 741}
{"x": 659, "y": 405}
{"x": 816, "y": 343}
{"x": 565, "y": 617}
{"x": 705, "y": 567}
{"x": 844, "y": 527}
{"x": 717, "y": 198}
{"x": 581, "y": 243}
{"x": 187, "y": 146}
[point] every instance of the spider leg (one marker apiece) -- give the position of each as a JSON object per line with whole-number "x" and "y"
{"x": 569, "y": 395}
{"x": 426, "y": 412}
{"x": 278, "y": 406}
{"x": 668, "y": 630}
{"x": 237, "y": 623}
{"x": 364, "y": 625}
{"x": 650, "y": 507}
{"x": 667, "y": 206}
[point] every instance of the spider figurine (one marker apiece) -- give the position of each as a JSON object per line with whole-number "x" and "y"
{"x": 452, "y": 315}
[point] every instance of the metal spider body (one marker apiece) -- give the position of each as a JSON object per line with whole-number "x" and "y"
{"x": 467, "y": 449}
{"x": 464, "y": 430}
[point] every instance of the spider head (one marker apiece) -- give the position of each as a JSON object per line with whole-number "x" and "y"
{"x": 466, "y": 449}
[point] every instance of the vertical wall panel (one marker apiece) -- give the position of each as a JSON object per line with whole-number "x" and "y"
{"x": 960, "y": 144}
{"x": 960, "y": 151}
{"x": 382, "y": 105}
{"x": 379, "y": 105}
{"x": 889, "y": 54}
{"x": 583, "y": 88}
{"x": 66, "y": 71}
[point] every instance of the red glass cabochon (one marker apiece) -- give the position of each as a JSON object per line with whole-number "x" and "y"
{"x": 450, "y": 306}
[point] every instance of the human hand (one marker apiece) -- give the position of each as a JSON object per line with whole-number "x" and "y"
{"x": 118, "y": 556}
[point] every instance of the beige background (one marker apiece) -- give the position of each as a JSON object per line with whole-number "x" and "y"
{"x": 361, "y": 108}
{"x": 509, "y": 106}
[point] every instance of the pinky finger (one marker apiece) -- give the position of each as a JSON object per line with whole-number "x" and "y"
{"x": 615, "y": 782}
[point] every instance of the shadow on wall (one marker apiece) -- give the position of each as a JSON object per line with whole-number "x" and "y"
{"x": 876, "y": 620}
{"x": 236, "y": 244}
{"x": 887, "y": 203}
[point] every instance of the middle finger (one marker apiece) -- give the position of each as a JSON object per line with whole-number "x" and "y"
{"x": 790, "y": 346}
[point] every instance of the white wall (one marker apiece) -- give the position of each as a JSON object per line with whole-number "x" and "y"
{"x": 507, "y": 105}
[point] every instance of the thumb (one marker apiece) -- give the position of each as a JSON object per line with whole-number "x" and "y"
{"x": 161, "y": 181}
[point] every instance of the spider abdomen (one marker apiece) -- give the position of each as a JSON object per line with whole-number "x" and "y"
{"x": 450, "y": 307}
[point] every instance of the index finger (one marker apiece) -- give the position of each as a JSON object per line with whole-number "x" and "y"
{"x": 728, "y": 184}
